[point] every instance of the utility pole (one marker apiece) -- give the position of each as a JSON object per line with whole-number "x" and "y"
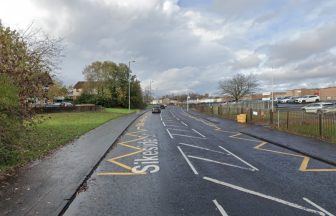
{"x": 272, "y": 90}
{"x": 150, "y": 89}
{"x": 129, "y": 84}
{"x": 188, "y": 97}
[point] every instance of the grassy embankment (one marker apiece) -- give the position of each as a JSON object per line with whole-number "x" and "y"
{"x": 56, "y": 129}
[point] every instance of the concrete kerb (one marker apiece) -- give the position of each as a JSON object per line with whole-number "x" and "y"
{"x": 316, "y": 157}
{"x": 82, "y": 184}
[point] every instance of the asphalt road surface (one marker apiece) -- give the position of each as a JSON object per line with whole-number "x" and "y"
{"x": 176, "y": 164}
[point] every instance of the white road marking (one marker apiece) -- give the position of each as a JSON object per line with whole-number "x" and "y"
{"x": 188, "y": 136}
{"x": 169, "y": 125}
{"x": 164, "y": 123}
{"x": 317, "y": 206}
{"x": 248, "y": 164}
{"x": 198, "y": 133}
{"x": 184, "y": 123}
{"x": 177, "y": 129}
{"x": 188, "y": 161}
{"x": 220, "y": 208}
{"x": 284, "y": 202}
{"x": 170, "y": 134}
{"x": 218, "y": 162}
{"x": 203, "y": 148}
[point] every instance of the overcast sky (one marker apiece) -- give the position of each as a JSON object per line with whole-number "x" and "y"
{"x": 189, "y": 45}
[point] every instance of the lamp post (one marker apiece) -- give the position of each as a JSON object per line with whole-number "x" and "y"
{"x": 129, "y": 84}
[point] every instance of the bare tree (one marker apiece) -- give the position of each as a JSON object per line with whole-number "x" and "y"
{"x": 238, "y": 86}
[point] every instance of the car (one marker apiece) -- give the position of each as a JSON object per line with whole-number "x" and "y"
{"x": 316, "y": 107}
{"x": 285, "y": 99}
{"x": 162, "y": 106}
{"x": 308, "y": 99}
{"x": 292, "y": 99}
{"x": 329, "y": 109}
{"x": 156, "y": 109}
{"x": 66, "y": 104}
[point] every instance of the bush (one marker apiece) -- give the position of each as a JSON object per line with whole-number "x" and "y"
{"x": 10, "y": 121}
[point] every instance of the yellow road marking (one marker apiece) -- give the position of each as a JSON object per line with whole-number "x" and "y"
{"x": 120, "y": 173}
{"x": 304, "y": 163}
{"x": 138, "y": 150}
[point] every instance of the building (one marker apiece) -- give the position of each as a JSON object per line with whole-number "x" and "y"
{"x": 328, "y": 93}
{"x": 302, "y": 92}
{"x": 78, "y": 89}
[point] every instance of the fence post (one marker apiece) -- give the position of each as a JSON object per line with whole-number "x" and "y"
{"x": 287, "y": 120}
{"x": 251, "y": 114}
{"x": 271, "y": 117}
{"x": 320, "y": 124}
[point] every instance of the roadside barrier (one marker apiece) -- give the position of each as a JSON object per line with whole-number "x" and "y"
{"x": 320, "y": 125}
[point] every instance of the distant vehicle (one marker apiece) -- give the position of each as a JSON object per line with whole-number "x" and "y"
{"x": 162, "y": 106}
{"x": 285, "y": 99}
{"x": 156, "y": 109}
{"x": 292, "y": 99}
{"x": 308, "y": 99}
{"x": 316, "y": 107}
{"x": 66, "y": 104}
{"x": 329, "y": 109}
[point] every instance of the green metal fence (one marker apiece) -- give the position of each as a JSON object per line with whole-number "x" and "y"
{"x": 322, "y": 126}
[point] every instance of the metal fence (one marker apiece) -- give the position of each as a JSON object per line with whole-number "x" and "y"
{"x": 322, "y": 126}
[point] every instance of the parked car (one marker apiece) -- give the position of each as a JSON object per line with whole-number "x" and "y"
{"x": 162, "y": 106}
{"x": 156, "y": 109}
{"x": 329, "y": 109}
{"x": 308, "y": 99}
{"x": 285, "y": 99}
{"x": 66, "y": 104}
{"x": 316, "y": 107}
{"x": 292, "y": 99}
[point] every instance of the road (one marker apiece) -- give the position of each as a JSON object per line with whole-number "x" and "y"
{"x": 174, "y": 163}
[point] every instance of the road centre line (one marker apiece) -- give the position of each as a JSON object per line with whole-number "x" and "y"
{"x": 188, "y": 161}
{"x": 220, "y": 208}
{"x": 239, "y": 158}
{"x": 198, "y": 133}
{"x": 188, "y": 136}
{"x": 218, "y": 162}
{"x": 170, "y": 134}
{"x": 284, "y": 202}
{"x": 317, "y": 206}
{"x": 169, "y": 125}
{"x": 185, "y": 144}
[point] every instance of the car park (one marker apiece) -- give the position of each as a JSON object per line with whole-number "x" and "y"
{"x": 316, "y": 107}
{"x": 308, "y": 99}
{"x": 156, "y": 109}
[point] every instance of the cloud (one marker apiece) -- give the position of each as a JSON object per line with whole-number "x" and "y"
{"x": 303, "y": 45}
{"x": 183, "y": 45}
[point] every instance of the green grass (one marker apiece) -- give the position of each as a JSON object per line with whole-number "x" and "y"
{"x": 56, "y": 129}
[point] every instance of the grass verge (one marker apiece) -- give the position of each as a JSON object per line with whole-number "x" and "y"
{"x": 56, "y": 129}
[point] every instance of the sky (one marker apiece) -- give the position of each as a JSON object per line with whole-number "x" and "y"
{"x": 190, "y": 45}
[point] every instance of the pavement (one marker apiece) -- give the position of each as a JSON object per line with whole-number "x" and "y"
{"x": 176, "y": 163}
{"x": 46, "y": 186}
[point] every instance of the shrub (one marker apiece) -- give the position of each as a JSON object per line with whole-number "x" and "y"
{"x": 10, "y": 121}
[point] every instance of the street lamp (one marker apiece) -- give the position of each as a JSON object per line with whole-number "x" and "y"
{"x": 129, "y": 84}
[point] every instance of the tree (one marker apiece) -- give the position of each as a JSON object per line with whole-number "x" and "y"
{"x": 27, "y": 62}
{"x": 108, "y": 81}
{"x": 238, "y": 86}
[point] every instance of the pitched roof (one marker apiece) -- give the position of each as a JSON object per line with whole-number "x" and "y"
{"x": 79, "y": 85}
